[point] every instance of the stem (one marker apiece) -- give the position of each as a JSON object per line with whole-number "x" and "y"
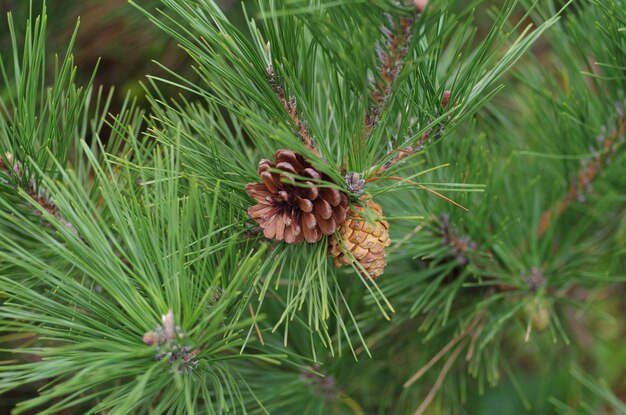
{"x": 11, "y": 167}
{"x": 402, "y": 153}
{"x": 391, "y": 60}
{"x": 421, "y": 186}
{"x": 591, "y": 168}
{"x": 443, "y": 351}
{"x": 439, "y": 382}
{"x": 256, "y": 326}
{"x": 290, "y": 106}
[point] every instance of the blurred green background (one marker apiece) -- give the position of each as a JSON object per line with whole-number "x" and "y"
{"x": 113, "y": 36}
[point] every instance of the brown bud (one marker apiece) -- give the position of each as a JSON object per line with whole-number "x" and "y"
{"x": 167, "y": 322}
{"x": 445, "y": 99}
{"x": 151, "y": 338}
{"x": 9, "y": 158}
{"x": 420, "y": 5}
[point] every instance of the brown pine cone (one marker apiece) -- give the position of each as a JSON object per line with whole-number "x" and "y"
{"x": 365, "y": 240}
{"x": 288, "y": 212}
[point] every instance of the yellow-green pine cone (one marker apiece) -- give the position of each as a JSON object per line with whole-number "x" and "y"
{"x": 362, "y": 241}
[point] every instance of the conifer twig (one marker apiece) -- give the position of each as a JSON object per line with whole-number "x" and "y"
{"x": 462, "y": 335}
{"x": 397, "y": 36}
{"x": 474, "y": 339}
{"x": 256, "y": 326}
{"x": 440, "y": 378}
{"x": 391, "y": 59}
{"x": 461, "y": 340}
{"x": 459, "y": 245}
{"x": 168, "y": 338}
{"x": 12, "y": 167}
{"x": 463, "y": 249}
{"x": 581, "y": 184}
{"x": 434, "y": 192}
{"x": 289, "y": 104}
{"x": 402, "y": 153}
{"x": 325, "y": 385}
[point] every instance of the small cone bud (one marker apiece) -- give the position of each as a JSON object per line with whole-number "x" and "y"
{"x": 151, "y": 338}
{"x": 9, "y": 157}
{"x": 445, "y": 99}
{"x": 167, "y": 322}
{"x": 420, "y": 5}
{"x": 539, "y": 312}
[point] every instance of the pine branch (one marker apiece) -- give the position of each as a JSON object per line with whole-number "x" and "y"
{"x": 466, "y": 251}
{"x": 461, "y": 340}
{"x": 15, "y": 168}
{"x": 581, "y": 184}
{"x": 403, "y": 153}
{"x": 460, "y": 245}
{"x": 391, "y": 56}
{"x": 391, "y": 59}
{"x": 290, "y": 106}
{"x": 440, "y": 379}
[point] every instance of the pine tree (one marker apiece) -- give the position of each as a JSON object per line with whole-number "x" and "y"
{"x": 350, "y": 207}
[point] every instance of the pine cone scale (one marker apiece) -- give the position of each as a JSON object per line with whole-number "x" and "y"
{"x": 289, "y": 157}
{"x": 339, "y": 216}
{"x": 268, "y": 181}
{"x": 308, "y": 221}
{"x": 305, "y": 205}
{"x": 322, "y": 209}
{"x": 260, "y": 210}
{"x": 311, "y": 234}
{"x": 333, "y": 196}
{"x": 288, "y": 167}
{"x": 280, "y": 227}
{"x": 311, "y": 192}
{"x": 328, "y": 226}
{"x": 312, "y": 174}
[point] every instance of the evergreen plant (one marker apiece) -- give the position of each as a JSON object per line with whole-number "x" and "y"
{"x": 344, "y": 207}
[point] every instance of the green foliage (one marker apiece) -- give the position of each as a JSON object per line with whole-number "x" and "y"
{"x": 132, "y": 279}
{"x": 39, "y": 120}
{"x": 333, "y": 103}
